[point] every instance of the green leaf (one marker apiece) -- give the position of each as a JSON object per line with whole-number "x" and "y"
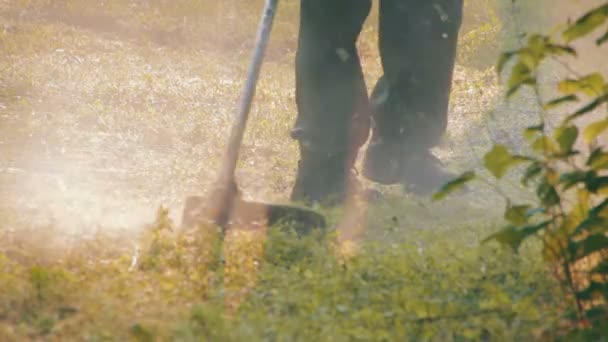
{"x": 601, "y": 268}
{"x": 517, "y": 214}
{"x": 570, "y": 179}
{"x": 530, "y": 132}
{"x": 558, "y": 50}
{"x": 594, "y": 221}
{"x": 592, "y": 225}
{"x": 588, "y": 108}
{"x": 568, "y": 86}
{"x": 513, "y": 236}
{"x": 532, "y": 171}
{"x": 536, "y": 46}
{"x": 599, "y": 209}
{"x": 598, "y": 313}
{"x": 586, "y": 24}
{"x": 533, "y": 229}
{"x": 601, "y": 40}
{"x": 503, "y": 59}
{"x": 529, "y": 59}
{"x": 499, "y": 160}
{"x": 593, "y": 84}
{"x": 596, "y": 184}
{"x": 593, "y": 130}
{"x": 593, "y": 291}
{"x": 591, "y": 244}
{"x": 598, "y": 160}
{"x": 590, "y": 85}
{"x": 547, "y": 194}
{"x": 520, "y": 75}
{"x": 509, "y": 236}
{"x": 566, "y": 137}
{"x": 560, "y": 100}
{"x": 454, "y": 185}
{"x": 545, "y": 145}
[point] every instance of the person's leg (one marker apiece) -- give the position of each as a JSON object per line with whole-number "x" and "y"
{"x": 418, "y": 48}
{"x": 333, "y": 108}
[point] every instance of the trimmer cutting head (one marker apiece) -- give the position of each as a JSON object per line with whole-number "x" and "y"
{"x": 241, "y": 214}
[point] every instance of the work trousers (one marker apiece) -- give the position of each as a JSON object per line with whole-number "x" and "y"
{"x": 408, "y": 106}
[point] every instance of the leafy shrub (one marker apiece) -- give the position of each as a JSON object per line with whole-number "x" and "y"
{"x": 570, "y": 216}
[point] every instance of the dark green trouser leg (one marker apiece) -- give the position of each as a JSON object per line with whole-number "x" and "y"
{"x": 333, "y": 108}
{"x": 418, "y": 48}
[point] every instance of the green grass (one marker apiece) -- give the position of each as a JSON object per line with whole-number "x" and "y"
{"x": 110, "y": 109}
{"x": 431, "y": 283}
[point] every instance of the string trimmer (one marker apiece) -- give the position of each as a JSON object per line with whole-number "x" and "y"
{"x": 224, "y": 206}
